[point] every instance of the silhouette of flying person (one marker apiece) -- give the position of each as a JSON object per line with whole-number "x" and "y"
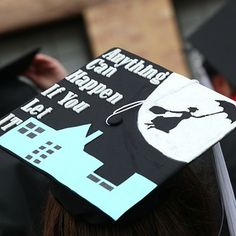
{"x": 166, "y": 124}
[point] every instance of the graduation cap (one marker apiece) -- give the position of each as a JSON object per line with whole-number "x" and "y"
{"x": 113, "y": 132}
{"x": 18, "y": 65}
{"x": 11, "y": 87}
{"x": 216, "y": 39}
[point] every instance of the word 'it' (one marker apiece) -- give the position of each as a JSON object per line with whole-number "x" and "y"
{"x": 9, "y": 121}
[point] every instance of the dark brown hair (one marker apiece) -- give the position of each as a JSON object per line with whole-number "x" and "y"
{"x": 185, "y": 211}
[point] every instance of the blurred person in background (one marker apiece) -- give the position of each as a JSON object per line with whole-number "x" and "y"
{"x": 23, "y": 191}
{"x": 219, "y": 82}
{"x": 215, "y": 40}
{"x": 42, "y": 70}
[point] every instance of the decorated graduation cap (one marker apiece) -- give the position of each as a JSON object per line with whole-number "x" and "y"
{"x": 216, "y": 39}
{"x": 112, "y": 132}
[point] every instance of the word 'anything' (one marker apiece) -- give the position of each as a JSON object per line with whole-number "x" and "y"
{"x": 135, "y": 66}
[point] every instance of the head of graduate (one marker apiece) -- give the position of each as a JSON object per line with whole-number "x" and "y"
{"x": 183, "y": 207}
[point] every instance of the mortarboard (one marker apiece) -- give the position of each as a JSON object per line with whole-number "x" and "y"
{"x": 16, "y": 91}
{"x": 216, "y": 39}
{"x": 17, "y": 66}
{"x": 111, "y": 133}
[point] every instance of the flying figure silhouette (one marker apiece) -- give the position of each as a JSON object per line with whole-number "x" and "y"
{"x": 166, "y": 124}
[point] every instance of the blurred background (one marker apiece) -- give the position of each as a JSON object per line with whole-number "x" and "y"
{"x": 77, "y": 30}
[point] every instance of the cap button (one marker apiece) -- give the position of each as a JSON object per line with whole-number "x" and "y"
{"x": 115, "y": 120}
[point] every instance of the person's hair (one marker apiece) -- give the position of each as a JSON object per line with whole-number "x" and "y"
{"x": 185, "y": 211}
{"x": 211, "y": 71}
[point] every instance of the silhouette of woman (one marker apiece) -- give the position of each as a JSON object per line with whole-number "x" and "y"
{"x": 166, "y": 124}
